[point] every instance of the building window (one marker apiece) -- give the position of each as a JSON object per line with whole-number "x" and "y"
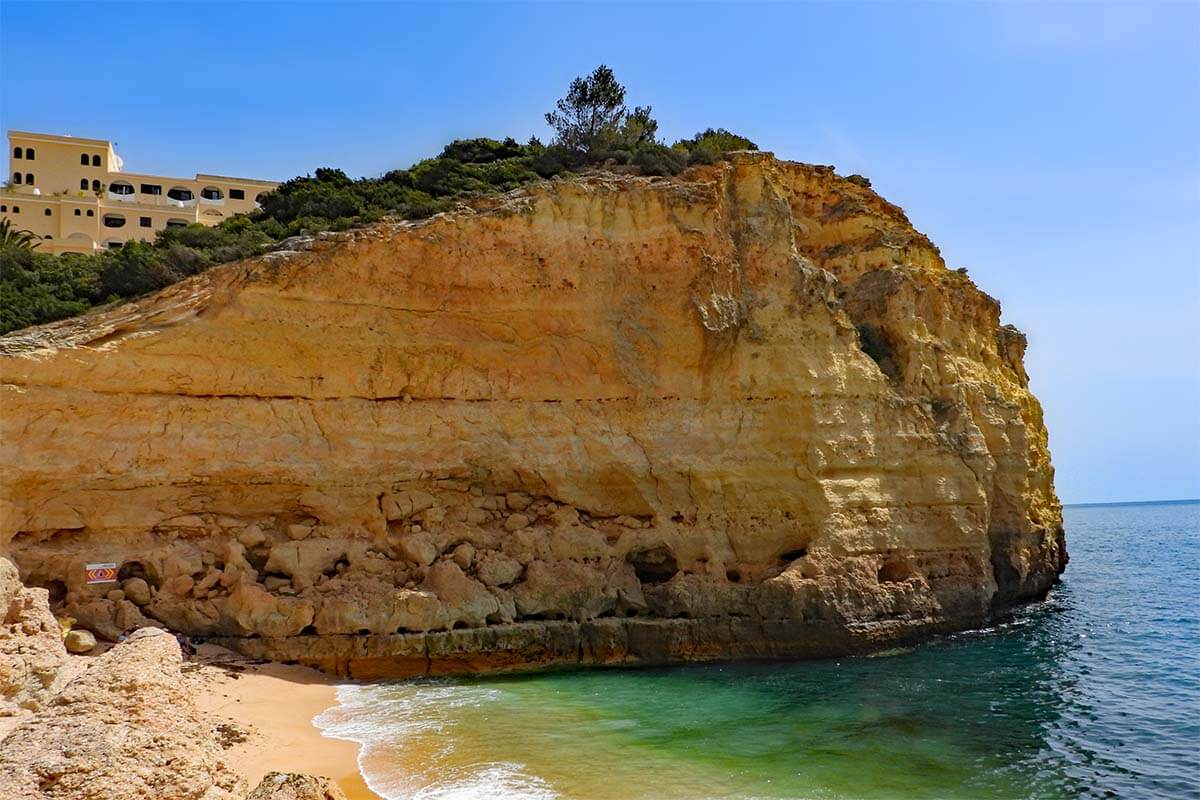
{"x": 91, "y": 213}
{"x": 3, "y": 208}
{"x": 177, "y": 223}
{"x": 237, "y": 194}
{"x": 211, "y": 193}
{"x": 113, "y": 244}
{"x": 95, "y": 186}
{"x": 180, "y": 194}
{"x": 29, "y": 177}
{"x": 47, "y": 236}
{"x": 121, "y": 188}
{"x": 47, "y": 212}
{"x": 114, "y": 221}
{"x": 16, "y": 209}
{"x": 17, "y": 178}
{"x": 151, "y": 188}
{"x": 77, "y": 212}
{"x": 145, "y": 222}
{"x": 95, "y": 161}
{"x": 29, "y": 155}
{"x": 83, "y": 159}
{"x": 83, "y": 184}
{"x": 16, "y": 152}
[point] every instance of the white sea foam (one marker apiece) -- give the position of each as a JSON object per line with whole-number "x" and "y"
{"x": 381, "y": 717}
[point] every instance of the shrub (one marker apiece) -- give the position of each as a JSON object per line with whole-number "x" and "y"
{"x": 656, "y": 159}
{"x": 717, "y": 140}
{"x": 481, "y": 151}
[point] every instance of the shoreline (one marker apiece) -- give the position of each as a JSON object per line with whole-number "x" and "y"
{"x": 265, "y": 712}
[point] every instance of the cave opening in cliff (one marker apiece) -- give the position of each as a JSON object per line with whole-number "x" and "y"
{"x": 896, "y": 570}
{"x": 657, "y": 565}
{"x": 57, "y": 590}
{"x": 792, "y": 555}
{"x": 875, "y": 343}
{"x": 135, "y": 569}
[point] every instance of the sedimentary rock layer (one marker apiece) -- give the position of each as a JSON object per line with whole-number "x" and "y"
{"x": 748, "y": 411}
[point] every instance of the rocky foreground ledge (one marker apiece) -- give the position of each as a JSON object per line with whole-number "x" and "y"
{"x": 125, "y": 729}
{"x": 605, "y": 420}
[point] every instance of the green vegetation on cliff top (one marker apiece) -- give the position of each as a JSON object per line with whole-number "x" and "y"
{"x": 593, "y": 130}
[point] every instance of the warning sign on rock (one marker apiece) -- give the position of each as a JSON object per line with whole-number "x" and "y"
{"x": 101, "y": 573}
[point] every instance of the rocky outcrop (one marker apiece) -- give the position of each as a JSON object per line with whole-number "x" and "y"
{"x": 31, "y": 646}
{"x": 290, "y": 786}
{"x": 602, "y": 420}
{"x": 122, "y": 730}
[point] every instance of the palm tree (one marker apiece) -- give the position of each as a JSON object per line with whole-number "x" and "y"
{"x": 15, "y": 237}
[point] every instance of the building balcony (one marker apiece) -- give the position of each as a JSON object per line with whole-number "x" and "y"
{"x": 212, "y": 196}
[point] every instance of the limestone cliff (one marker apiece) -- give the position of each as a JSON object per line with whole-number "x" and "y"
{"x": 747, "y": 412}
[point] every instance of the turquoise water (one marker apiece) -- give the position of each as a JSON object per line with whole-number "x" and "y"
{"x": 1094, "y": 693}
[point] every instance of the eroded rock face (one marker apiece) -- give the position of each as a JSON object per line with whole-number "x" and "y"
{"x": 122, "y": 730}
{"x": 31, "y": 646}
{"x": 604, "y": 420}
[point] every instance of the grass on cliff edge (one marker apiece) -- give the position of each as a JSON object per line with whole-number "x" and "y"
{"x": 37, "y": 287}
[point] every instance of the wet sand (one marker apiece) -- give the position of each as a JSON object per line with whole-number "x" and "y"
{"x": 265, "y": 714}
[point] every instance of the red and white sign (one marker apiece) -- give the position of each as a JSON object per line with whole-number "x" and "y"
{"x": 101, "y": 573}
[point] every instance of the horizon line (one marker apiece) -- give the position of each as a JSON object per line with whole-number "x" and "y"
{"x": 1134, "y": 502}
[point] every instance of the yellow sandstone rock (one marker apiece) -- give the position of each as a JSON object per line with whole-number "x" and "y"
{"x": 745, "y": 412}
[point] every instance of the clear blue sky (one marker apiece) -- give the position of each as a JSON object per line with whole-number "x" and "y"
{"x": 1054, "y": 150}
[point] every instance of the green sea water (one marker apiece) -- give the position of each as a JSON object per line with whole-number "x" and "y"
{"x": 1093, "y": 693}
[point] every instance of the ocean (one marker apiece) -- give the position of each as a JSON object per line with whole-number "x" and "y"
{"x": 1094, "y": 693}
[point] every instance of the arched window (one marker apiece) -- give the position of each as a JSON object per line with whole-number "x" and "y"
{"x": 114, "y": 220}
{"x": 121, "y": 190}
{"x": 78, "y": 212}
{"x": 29, "y": 153}
{"x": 16, "y": 152}
{"x": 83, "y": 159}
{"x": 177, "y": 223}
{"x": 212, "y": 194}
{"x": 16, "y": 177}
{"x": 29, "y": 177}
{"x": 16, "y": 209}
{"x": 95, "y": 186}
{"x": 47, "y": 212}
{"x": 3, "y": 208}
{"x": 95, "y": 161}
{"x": 91, "y": 213}
{"x": 83, "y": 183}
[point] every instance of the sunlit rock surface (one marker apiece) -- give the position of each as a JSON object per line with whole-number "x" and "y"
{"x": 745, "y": 412}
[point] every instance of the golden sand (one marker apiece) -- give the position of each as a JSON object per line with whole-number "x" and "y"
{"x": 273, "y": 706}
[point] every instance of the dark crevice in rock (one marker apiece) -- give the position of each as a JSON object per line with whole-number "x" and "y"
{"x": 657, "y": 565}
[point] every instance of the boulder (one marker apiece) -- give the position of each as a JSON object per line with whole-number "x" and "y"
{"x": 78, "y": 640}
{"x": 293, "y": 786}
{"x": 124, "y": 729}
{"x": 464, "y": 600}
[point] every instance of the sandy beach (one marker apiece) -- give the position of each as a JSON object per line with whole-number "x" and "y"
{"x": 265, "y": 714}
